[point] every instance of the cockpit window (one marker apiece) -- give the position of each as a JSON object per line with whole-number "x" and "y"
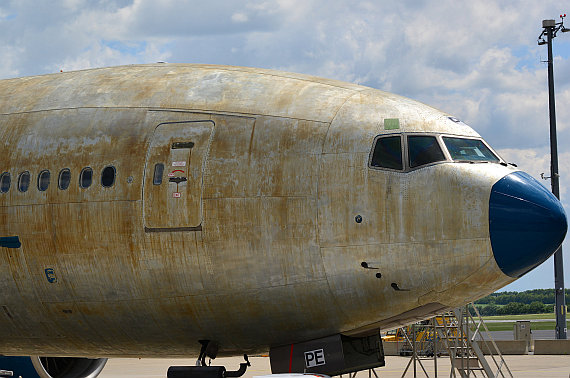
{"x": 388, "y": 153}
{"x": 423, "y": 150}
{"x": 462, "y": 149}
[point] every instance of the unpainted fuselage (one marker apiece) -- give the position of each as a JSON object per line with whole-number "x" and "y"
{"x": 259, "y": 245}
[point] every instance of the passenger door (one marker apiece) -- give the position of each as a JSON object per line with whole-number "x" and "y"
{"x": 173, "y": 176}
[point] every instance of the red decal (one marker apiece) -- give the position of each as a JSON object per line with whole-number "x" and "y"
{"x": 176, "y": 195}
{"x": 177, "y": 170}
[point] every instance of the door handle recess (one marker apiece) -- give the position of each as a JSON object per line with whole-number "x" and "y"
{"x": 177, "y": 180}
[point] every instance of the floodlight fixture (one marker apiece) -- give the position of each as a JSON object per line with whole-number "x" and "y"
{"x": 548, "y": 23}
{"x": 552, "y": 27}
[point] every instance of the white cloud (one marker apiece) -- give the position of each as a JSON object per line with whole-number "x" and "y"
{"x": 239, "y": 17}
{"x": 8, "y": 57}
{"x": 100, "y": 55}
{"x": 537, "y": 161}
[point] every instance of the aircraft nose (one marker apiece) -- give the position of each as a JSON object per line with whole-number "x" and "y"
{"x": 527, "y": 223}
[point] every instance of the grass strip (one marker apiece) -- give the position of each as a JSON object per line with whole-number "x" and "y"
{"x": 520, "y": 317}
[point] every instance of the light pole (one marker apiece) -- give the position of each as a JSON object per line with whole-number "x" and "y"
{"x": 549, "y": 30}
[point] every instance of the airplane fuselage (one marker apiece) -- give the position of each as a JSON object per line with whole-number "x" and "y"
{"x": 188, "y": 203}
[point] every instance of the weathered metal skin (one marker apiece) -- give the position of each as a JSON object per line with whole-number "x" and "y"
{"x": 262, "y": 248}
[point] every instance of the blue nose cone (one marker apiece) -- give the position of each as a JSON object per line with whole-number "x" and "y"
{"x": 527, "y": 223}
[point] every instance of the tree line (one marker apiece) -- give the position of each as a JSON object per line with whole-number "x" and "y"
{"x": 534, "y": 301}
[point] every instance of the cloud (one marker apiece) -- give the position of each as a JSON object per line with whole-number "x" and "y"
{"x": 536, "y": 162}
{"x": 112, "y": 53}
{"x": 8, "y": 57}
{"x": 239, "y": 17}
{"x": 183, "y": 19}
{"x": 55, "y": 33}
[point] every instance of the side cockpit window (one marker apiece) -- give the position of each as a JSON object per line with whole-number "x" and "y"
{"x": 462, "y": 149}
{"x": 388, "y": 153}
{"x": 423, "y": 149}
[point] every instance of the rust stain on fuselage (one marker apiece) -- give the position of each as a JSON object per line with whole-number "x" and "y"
{"x": 282, "y": 177}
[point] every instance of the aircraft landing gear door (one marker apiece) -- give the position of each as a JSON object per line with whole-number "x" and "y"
{"x": 173, "y": 176}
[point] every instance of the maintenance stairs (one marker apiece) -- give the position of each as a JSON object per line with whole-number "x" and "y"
{"x": 458, "y": 335}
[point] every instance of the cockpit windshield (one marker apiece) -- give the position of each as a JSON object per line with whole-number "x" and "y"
{"x": 462, "y": 149}
{"x": 423, "y": 149}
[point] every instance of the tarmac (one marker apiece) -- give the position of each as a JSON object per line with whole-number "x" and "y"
{"x": 520, "y": 366}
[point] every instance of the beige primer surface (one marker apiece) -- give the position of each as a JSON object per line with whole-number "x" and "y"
{"x": 261, "y": 248}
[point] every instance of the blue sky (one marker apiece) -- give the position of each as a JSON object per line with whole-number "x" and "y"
{"x": 478, "y": 59}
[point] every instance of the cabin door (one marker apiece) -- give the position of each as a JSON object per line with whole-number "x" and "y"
{"x": 173, "y": 176}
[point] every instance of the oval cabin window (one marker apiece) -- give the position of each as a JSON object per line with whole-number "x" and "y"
{"x": 64, "y": 179}
{"x": 5, "y": 181}
{"x": 24, "y": 181}
{"x": 86, "y": 177}
{"x": 43, "y": 180}
{"x": 108, "y": 176}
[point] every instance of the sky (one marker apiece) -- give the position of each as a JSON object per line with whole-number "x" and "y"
{"x": 478, "y": 59}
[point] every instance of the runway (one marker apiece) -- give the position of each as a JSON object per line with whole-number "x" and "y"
{"x": 520, "y": 366}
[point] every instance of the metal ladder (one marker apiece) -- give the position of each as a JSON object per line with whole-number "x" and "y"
{"x": 458, "y": 334}
{"x": 464, "y": 345}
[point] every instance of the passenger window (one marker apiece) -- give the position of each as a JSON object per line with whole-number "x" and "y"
{"x": 388, "y": 153}
{"x": 64, "y": 179}
{"x": 423, "y": 150}
{"x": 43, "y": 180}
{"x": 86, "y": 178}
{"x": 24, "y": 181}
{"x": 158, "y": 172}
{"x": 5, "y": 181}
{"x": 108, "y": 176}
